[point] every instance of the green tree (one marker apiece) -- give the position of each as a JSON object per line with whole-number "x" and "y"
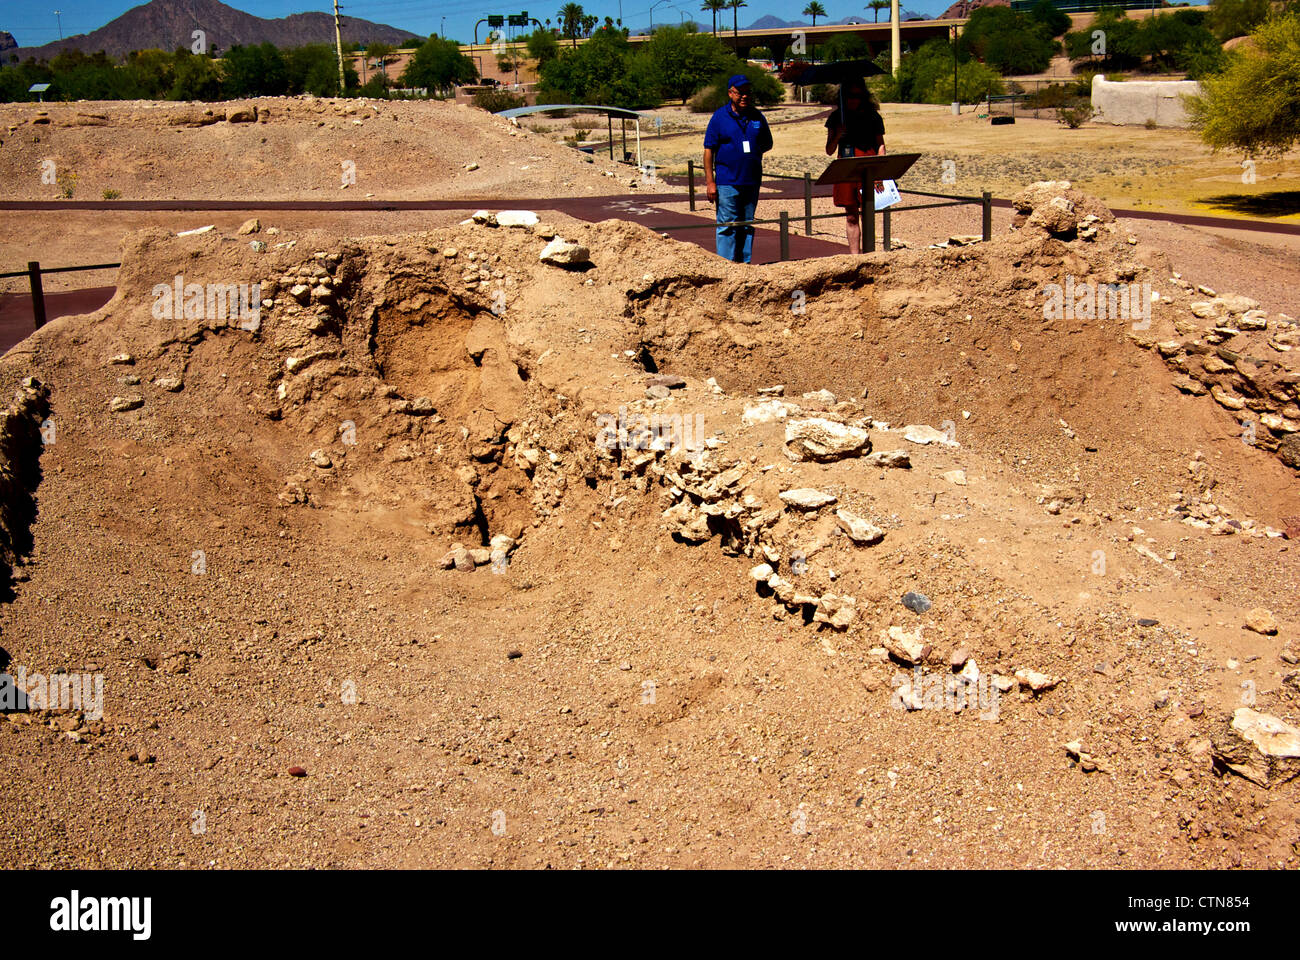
{"x": 542, "y": 45}
{"x": 684, "y": 60}
{"x": 154, "y": 70}
{"x": 875, "y": 6}
{"x": 197, "y": 78}
{"x": 314, "y": 69}
{"x": 814, "y": 10}
{"x": 257, "y": 71}
{"x": 438, "y": 64}
{"x": 1236, "y": 18}
{"x": 1007, "y": 40}
{"x": 1046, "y": 12}
{"x": 1119, "y": 35}
{"x": 1254, "y": 105}
{"x": 843, "y": 46}
{"x": 603, "y": 70}
{"x": 381, "y": 52}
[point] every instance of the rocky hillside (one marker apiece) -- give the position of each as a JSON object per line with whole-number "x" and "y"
{"x": 168, "y": 24}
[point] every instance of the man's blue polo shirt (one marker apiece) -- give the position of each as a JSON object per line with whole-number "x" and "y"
{"x": 734, "y": 163}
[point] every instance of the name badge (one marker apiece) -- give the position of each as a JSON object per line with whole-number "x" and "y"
{"x": 746, "y": 146}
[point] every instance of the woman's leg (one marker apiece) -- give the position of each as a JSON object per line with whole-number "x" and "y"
{"x": 853, "y": 227}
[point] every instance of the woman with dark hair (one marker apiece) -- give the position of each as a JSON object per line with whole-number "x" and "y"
{"x": 855, "y": 129}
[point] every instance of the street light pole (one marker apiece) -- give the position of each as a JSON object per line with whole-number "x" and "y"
{"x": 956, "y": 105}
{"x": 652, "y": 13}
{"x": 442, "y": 30}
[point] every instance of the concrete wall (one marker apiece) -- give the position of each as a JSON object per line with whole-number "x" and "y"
{"x": 1137, "y": 101}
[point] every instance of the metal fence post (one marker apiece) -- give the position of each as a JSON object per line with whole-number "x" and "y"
{"x": 785, "y": 235}
{"x": 38, "y": 295}
{"x": 807, "y": 204}
{"x": 690, "y": 180}
{"x": 868, "y": 216}
{"x": 986, "y": 202}
{"x": 884, "y": 217}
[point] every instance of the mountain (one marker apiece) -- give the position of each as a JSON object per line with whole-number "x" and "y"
{"x": 168, "y": 24}
{"x": 7, "y": 41}
{"x": 962, "y": 8}
{"x": 776, "y": 23}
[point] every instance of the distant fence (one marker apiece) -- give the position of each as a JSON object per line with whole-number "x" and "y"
{"x": 1035, "y": 98}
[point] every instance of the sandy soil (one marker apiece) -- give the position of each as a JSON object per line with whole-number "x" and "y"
{"x": 298, "y": 149}
{"x": 301, "y": 668}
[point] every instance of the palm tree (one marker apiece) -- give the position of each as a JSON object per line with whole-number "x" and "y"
{"x": 735, "y": 6}
{"x": 713, "y": 6}
{"x": 875, "y": 6}
{"x": 814, "y": 10}
{"x": 570, "y": 18}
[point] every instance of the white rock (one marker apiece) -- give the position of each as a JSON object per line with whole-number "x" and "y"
{"x": 565, "y": 253}
{"x": 836, "y": 610}
{"x": 824, "y": 440}
{"x": 768, "y": 411}
{"x": 1035, "y": 681}
{"x": 858, "y": 529}
{"x": 1259, "y": 747}
{"x": 123, "y": 404}
{"x": 908, "y": 647}
{"x": 517, "y": 218}
{"x": 923, "y": 434}
{"x": 806, "y": 498}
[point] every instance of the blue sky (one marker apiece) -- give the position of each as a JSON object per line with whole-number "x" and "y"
{"x": 33, "y": 22}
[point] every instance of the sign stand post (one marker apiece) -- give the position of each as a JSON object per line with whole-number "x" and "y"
{"x": 866, "y": 171}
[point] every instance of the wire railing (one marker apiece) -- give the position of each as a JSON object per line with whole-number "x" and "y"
{"x": 33, "y": 274}
{"x": 984, "y": 200}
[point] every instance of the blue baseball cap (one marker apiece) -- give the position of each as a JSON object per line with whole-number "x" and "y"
{"x": 738, "y": 80}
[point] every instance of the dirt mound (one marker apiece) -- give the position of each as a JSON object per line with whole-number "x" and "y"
{"x": 286, "y": 148}
{"x": 724, "y": 519}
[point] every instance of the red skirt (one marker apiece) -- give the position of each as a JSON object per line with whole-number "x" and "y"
{"x": 850, "y": 194}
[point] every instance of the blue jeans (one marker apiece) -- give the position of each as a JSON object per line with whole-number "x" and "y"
{"x": 736, "y": 203}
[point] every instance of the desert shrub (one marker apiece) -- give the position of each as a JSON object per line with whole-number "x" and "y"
{"x": 1075, "y": 117}
{"x": 824, "y": 93}
{"x": 494, "y": 101}
{"x": 111, "y": 194}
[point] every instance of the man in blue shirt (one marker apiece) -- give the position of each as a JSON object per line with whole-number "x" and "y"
{"x": 734, "y": 144}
